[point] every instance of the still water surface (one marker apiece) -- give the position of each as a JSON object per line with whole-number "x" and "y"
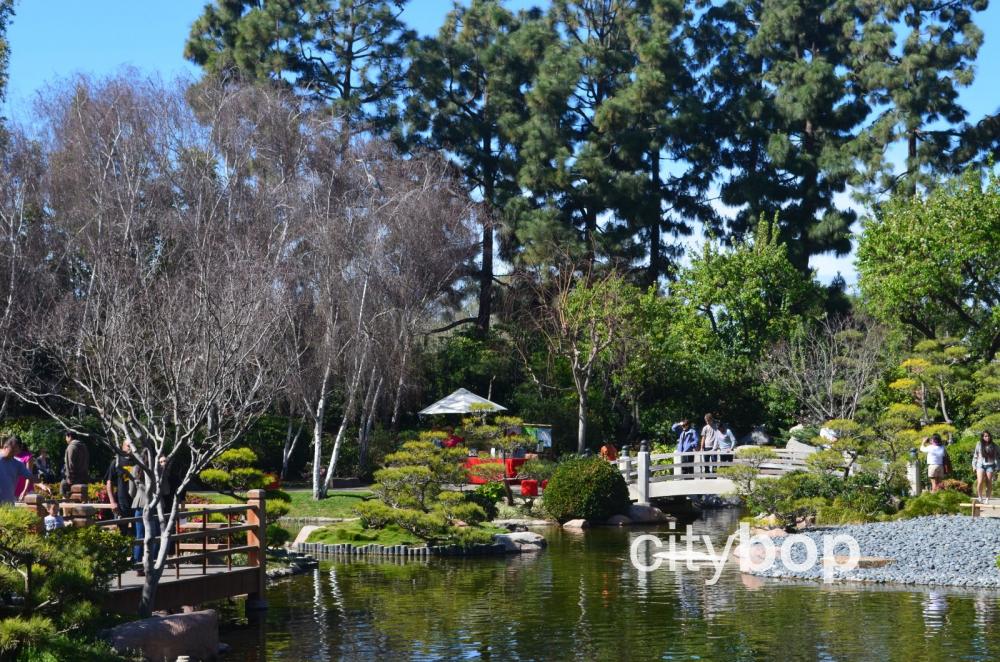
{"x": 581, "y": 599}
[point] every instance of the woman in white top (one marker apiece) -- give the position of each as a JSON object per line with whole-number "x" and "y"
{"x": 937, "y": 458}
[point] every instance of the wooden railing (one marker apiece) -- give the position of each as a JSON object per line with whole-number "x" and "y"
{"x": 647, "y": 468}
{"x": 195, "y": 540}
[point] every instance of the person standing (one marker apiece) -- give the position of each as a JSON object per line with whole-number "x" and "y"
{"x": 76, "y": 463}
{"x": 609, "y": 452}
{"x": 43, "y": 468}
{"x": 725, "y": 442}
{"x": 985, "y": 458}
{"x": 24, "y": 456}
{"x": 687, "y": 442}
{"x": 10, "y": 471}
{"x": 937, "y": 460}
{"x": 708, "y": 441}
{"x": 116, "y": 482}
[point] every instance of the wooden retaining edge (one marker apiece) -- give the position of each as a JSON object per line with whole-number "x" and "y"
{"x": 400, "y": 551}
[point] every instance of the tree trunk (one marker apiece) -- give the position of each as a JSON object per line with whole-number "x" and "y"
{"x": 581, "y": 429}
{"x": 319, "y": 414}
{"x": 291, "y": 443}
{"x": 486, "y": 280}
{"x": 345, "y": 420}
{"x": 398, "y": 397}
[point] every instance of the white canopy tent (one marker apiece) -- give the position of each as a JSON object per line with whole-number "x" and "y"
{"x": 461, "y": 402}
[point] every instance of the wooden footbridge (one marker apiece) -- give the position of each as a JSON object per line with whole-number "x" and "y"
{"x": 218, "y": 552}
{"x": 662, "y": 475}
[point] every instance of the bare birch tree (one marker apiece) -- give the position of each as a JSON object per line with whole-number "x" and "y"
{"x": 168, "y": 322}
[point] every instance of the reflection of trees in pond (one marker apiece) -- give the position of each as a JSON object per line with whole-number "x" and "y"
{"x": 582, "y": 598}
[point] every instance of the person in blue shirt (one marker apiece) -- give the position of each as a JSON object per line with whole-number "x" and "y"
{"x": 10, "y": 470}
{"x": 687, "y": 442}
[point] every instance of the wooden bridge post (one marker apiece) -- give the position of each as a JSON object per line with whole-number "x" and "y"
{"x": 256, "y": 512}
{"x": 678, "y": 459}
{"x": 78, "y": 493}
{"x": 642, "y": 480}
{"x": 37, "y": 504}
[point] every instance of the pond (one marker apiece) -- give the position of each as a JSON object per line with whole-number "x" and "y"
{"x": 581, "y": 598}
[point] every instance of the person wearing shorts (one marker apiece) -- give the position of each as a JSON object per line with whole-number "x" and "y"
{"x": 985, "y": 458}
{"x": 937, "y": 458}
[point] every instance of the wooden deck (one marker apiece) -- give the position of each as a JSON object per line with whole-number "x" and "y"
{"x": 203, "y": 568}
{"x": 194, "y": 587}
{"x": 989, "y": 509}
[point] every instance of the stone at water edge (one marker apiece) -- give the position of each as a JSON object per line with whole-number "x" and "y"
{"x": 646, "y": 514}
{"x": 619, "y": 520}
{"x": 521, "y": 541}
{"x": 195, "y": 634}
{"x": 576, "y": 524}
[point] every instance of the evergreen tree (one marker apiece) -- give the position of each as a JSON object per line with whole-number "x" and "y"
{"x": 466, "y": 96}
{"x": 918, "y": 82}
{"x": 789, "y": 114}
{"x": 6, "y": 13}
{"x": 571, "y": 181}
{"x": 343, "y": 53}
{"x": 656, "y": 116}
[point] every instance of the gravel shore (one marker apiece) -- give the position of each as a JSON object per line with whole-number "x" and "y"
{"x": 949, "y": 550}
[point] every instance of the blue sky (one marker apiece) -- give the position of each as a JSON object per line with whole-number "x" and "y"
{"x": 54, "y": 39}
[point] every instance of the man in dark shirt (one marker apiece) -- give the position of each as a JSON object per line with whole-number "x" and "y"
{"x": 116, "y": 482}
{"x": 76, "y": 466}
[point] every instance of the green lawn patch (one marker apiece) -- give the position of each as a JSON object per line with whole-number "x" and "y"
{"x": 336, "y": 504}
{"x": 354, "y": 534}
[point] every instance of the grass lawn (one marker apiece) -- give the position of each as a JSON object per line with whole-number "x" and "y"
{"x": 352, "y": 533}
{"x": 336, "y": 504}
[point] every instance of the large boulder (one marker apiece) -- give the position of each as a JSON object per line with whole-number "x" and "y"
{"x": 194, "y": 634}
{"x": 797, "y": 446}
{"x": 576, "y": 524}
{"x": 619, "y": 520}
{"x": 521, "y": 541}
{"x": 647, "y": 514}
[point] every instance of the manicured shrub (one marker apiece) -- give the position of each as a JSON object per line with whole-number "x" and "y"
{"x": 586, "y": 488}
{"x": 942, "y": 502}
{"x": 486, "y": 497}
{"x": 277, "y": 536}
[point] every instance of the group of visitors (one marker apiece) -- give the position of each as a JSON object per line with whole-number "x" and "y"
{"x": 128, "y": 500}
{"x": 22, "y": 472}
{"x": 985, "y": 460}
{"x": 715, "y": 436}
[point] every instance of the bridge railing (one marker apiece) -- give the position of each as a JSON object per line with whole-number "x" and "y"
{"x": 196, "y": 539}
{"x": 646, "y": 468}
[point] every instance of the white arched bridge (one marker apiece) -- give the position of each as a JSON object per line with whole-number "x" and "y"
{"x": 661, "y": 475}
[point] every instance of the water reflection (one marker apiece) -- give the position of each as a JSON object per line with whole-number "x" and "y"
{"x": 582, "y": 599}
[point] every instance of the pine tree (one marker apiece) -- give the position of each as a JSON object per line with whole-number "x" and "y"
{"x": 789, "y": 114}
{"x": 571, "y": 182}
{"x": 655, "y": 117}
{"x": 466, "y": 94}
{"x": 347, "y": 54}
{"x": 6, "y": 13}
{"x": 918, "y": 81}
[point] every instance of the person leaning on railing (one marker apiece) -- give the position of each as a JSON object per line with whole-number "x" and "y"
{"x": 725, "y": 441}
{"x": 687, "y": 442}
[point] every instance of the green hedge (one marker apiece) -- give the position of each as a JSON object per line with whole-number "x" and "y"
{"x": 586, "y": 488}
